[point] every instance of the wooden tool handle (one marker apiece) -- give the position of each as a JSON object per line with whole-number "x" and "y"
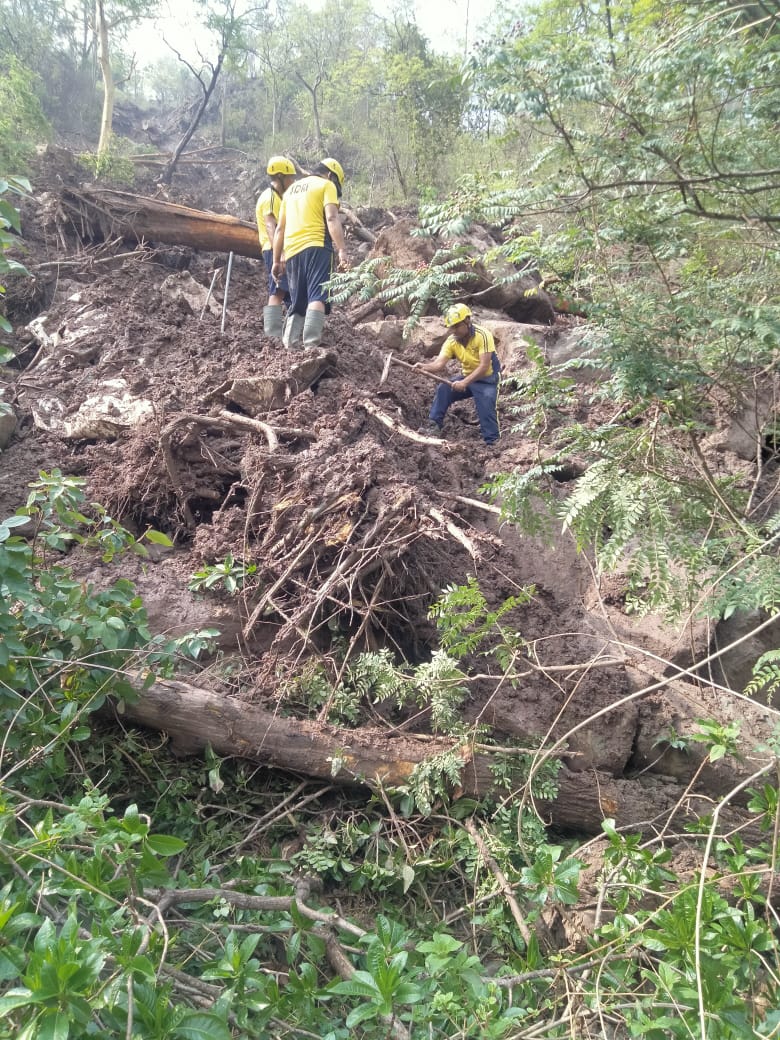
{"x": 421, "y": 371}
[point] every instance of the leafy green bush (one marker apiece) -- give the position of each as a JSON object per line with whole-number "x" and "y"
{"x": 22, "y": 122}
{"x": 9, "y": 222}
{"x": 114, "y": 164}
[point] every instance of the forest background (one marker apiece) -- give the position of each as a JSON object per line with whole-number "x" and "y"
{"x": 627, "y": 149}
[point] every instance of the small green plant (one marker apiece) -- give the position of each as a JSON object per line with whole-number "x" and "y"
{"x": 534, "y": 397}
{"x": 721, "y": 739}
{"x": 113, "y": 165}
{"x": 22, "y": 122}
{"x": 383, "y": 988}
{"x": 464, "y": 620}
{"x": 672, "y": 739}
{"x": 440, "y": 684}
{"x": 231, "y": 573}
{"x": 434, "y": 779}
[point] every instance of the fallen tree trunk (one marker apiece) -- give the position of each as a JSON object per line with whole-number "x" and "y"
{"x": 104, "y": 213}
{"x": 194, "y": 718}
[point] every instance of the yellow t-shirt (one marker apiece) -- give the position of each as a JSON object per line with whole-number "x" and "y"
{"x": 269, "y": 202}
{"x": 468, "y": 353}
{"x": 303, "y": 207}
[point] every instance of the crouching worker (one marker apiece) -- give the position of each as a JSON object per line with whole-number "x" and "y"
{"x": 473, "y": 346}
{"x": 282, "y": 173}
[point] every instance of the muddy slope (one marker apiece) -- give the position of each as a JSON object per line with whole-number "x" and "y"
{"x": 144, "y": 371}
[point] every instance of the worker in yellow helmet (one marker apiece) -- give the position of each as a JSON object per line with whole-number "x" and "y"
{"x": 282, "y": 172}
{"x": 308, "y": 232}
{"x": 473, "y": 346}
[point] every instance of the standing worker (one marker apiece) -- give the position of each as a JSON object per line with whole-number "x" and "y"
{"x": 475, "y": 348}
{"x": 282, "y": 173}
{"x": 308, "y": 230}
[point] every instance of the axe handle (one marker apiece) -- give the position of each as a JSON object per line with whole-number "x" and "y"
{"x": 419, "y": 371}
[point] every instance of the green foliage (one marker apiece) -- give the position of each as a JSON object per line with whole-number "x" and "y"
{"x": 539, "y": 396}
{"x": 436, "y": 282}
{"x": 766, "y": 676}
{"x": 22, "y": 122}
{"x": 687, "y": 941}
{"x": 373, "y": 678}
{"x": 64, "y": 645}
{"x": 434, "y": 779}
{"x": 113, "y": 164}
{"x": 659, "y": 203}
{"x": 719, "y": 738}
{"x": 481, "y": 197}
{"x": 230, "y": 573}
{"x": 440, "y": 685}
{"x": 9, "y": 221}
{"x": 383, "y": 987}
{"x": 464, "y": 620}
{"x": 669, "y": 231}
{"x": 121, "y": 900}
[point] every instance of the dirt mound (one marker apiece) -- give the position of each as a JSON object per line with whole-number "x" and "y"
{"x": 147, "y": 373}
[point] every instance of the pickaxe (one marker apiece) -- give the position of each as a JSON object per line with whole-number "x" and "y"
{"x": 389, "y": 360}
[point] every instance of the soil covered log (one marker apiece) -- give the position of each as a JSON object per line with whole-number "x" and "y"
{"x": 194, "y": 718}
{"x": 106, "y": 213}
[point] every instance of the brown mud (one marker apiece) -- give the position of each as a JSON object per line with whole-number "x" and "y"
{"x": 307, "y": 468}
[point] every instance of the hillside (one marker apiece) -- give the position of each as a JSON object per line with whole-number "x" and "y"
{"x": 308, "y": 469}
{"x": 321, "y": 529}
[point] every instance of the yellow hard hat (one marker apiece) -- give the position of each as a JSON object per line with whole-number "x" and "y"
{"x": 335, "y": 167}
{"x": 280, "y": 164}
{"x": 456, "y": 314}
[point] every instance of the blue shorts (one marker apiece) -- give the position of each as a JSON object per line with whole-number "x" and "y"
{"x": 307, "y": 271}
{"x": 275, "y": 287}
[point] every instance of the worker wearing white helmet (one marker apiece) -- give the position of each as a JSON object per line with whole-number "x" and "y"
{"x": 473, "y": 346}
{"x": 282, "y": 172}
{"x": 308, "y": 232}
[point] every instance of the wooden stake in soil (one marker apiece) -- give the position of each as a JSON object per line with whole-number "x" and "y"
{"x": 225, "y": 298}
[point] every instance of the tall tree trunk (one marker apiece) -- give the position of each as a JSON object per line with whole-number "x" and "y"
{"x": 170, "y": 169}
{"x": 398, "y": 171}
{"x": 610, "y": 34}
{"x": 223, "y": 120}
{"x": 315, "y": 109}
{"x": 109, "y": 89}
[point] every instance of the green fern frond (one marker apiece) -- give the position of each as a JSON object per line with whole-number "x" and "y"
{"x": 438, "y": 281}
{"x": 766, "y": 675}
{"x": 441, "y": 684}
{"x": 373, "y": 675}
{"x": 464, "y": 619}
{"x": 362, "y": 281}
{"x": 434, "y": 778}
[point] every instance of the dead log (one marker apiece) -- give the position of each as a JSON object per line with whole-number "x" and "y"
{"x": 103, "y": 213}
{"x": 194, "y": 718}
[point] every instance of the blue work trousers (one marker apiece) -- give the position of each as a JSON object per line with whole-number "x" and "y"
{"x": 307, "y": 271}
{"x": 485, "y": 394}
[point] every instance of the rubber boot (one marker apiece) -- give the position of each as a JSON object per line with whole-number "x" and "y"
{"x": 293, "y": 330}
{"x": 312, "y": 328}
{"x": 273, "y": 322}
